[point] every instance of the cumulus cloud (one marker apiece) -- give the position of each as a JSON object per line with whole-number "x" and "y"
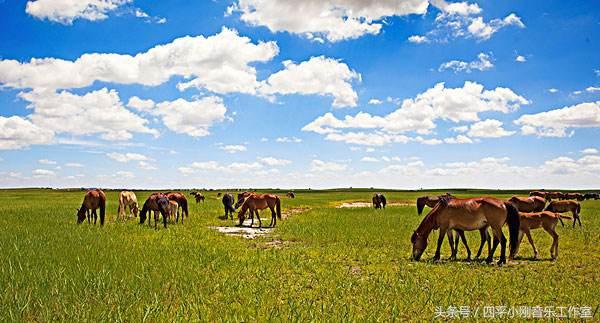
{"x": 483, "y": 63}
{"x": 369, "y": 159}
{"x": 317, "y": 165}
{"x": 66, "y": 11}
{"x": 482, "y": 30}
{"x": 593, "y": 89}
{"x": 375, "y": 101}
{"x": 218, "y": 63}
{"x": 460, "y": 139}
{"x": 97, "y": 112}
{"x": 552, "y": 90}
{"x": 561, "y": 122}
{"x": 74, "y": 165}
{"x": 418, "y": 115}
{"x": 232, "y": 149}
{"x": 216, "y": 166}
{"x": 489, "y": 128}
{"x": 333, "y": 20}
{"x": 43, "y": 173}
{"x": 520, "y": 59}
{"x": 272, "y": 161}
{"x": 418, "y": 39}
{"x": 288, "y": 139}
{"x": 17, "y": 132}
{"x": 590, "y": 151}
{"x": 47, "y": 162}
{"x": 469, "y": 24}
{"x": 319, "y": 75}
{"x": 127, "y": 157}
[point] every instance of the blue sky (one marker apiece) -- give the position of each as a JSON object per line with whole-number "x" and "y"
{"x": 248, "y": 93}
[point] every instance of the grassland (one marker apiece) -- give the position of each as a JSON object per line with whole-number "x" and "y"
{"x": 322, "y": 264}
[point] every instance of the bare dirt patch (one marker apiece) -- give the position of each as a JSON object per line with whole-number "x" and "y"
{"x": 367, "y": 204}
{"x": 247, "y": 231}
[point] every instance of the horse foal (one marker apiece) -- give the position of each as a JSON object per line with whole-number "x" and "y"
{"x": 546, "y": 220}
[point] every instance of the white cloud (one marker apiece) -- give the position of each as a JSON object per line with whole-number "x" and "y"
{"x": 124, "y": 174}
{"x": 556, "y": 123}
{"x": 368, "y": 159}
{"x": 43, "y": 173}
{"x": 375, "y": 101}
{"x": 449, "y": 26}
{"x": 66, "y": 11}
{"x": 17, "y": 132}
{"x": 520, "y": 59}
{"x": 288, "y": 139}
{"x": 74, "y": 165}
{"x": 488, "y": 128}
{"x": 97, "y": 112}
{"x": 146, "y": 166}
{"x": 552, "y": 90}
{"x": 232, "y": 168}
{"x": 140, "y": 104}
{"x": 593, "y": 89}
{"x": 457, "y": 8}
{"x": 590, "y": 151}
{"x": 319, "y": 75}
{"x": 483, "y": 63}
{"x": 460, "y": 139}
{"x": 418, "y": 115}
{"x": 272, "y": 161}
{"x": 47, "y": 162}
{"x": 483, "y": 31}
{"x": 232, "y": 149}
{"x": 193, "y": 118}
{"x": 418, "y": 39}
{"x": 334, "y": 21}
{"x": 127, "y": 157}
{"x": 218, "y": 63}
{"x": 323, "y": 166}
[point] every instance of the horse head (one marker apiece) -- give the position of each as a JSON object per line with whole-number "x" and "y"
{"x": 80, "y": 215}
{"x": 419, "y": 242}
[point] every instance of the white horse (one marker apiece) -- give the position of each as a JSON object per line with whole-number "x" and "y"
{"x": 127, "y": 199}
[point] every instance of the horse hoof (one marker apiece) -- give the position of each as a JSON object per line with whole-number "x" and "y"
{"x": 501, "y": 262}
{"x": 489, "y": 260}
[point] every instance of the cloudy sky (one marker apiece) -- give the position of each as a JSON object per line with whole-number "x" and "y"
{"x": 313, "y": 93}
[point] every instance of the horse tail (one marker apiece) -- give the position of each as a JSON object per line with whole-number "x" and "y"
{"x": 566, "y": 217}
{"x": 278, "y": 207}
{"x": 383, "y": 200}
{"x": 514, "y": 223}
{"x": 143, "y": 213}
{"x": 102, "y": 209}
{"x": 549, "y": 207}
{"x": 420, "y": 205}
{"x": 578, "y": 208}
{"x": 184, "y": 206}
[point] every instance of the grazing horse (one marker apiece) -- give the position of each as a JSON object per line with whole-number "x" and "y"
{"x": 468, "y": 215}
{"x": 127, "y": 199}
{"x": 572, "y": 196}
{"x": 157, "y": 202}
{"x": 241, "y": 197}
{"x": 174, "y": 211}
{"x": 290, "y": 195}
{"x": 589, "y": 196}
{"x": 181, "y": 200}
{"x": 379, "y": 201}
{"x": 430, "y": 201}
{"x": 546, "y": 220}
{"x": 228, "y": 205}
{"x": 541, "y": 194}
{"x": 93, "y": 199}
{"x": 553, "y": 195}
{"x": 198, "y": 196}
{"x": 528, "y": 204}
{"x": 566, "y": 206}
{"x": 255, "y": 202}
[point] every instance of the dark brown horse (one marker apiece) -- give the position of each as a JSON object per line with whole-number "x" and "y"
{"x": 157, "y": 202}
{"x": 528, "y": 204}
{"x": 241, "y": 197}
{"x": 181, "y": 200}
{"x": 93, "y": 200}
{"x": 198, "y": 196}
{"x": 290, "y": 195}
{"x": 255, "y": 202}
{"x": 468, "y": 215}
{"x": 379, "y": 201}
{"x": 590, "y": 196}
{"x": 228, "y": 201}
{"x": 572, "y": 196}
{"x": 566, "y": 206}
{"x": 541, "y": 194}
{"x": 430, "y": 201}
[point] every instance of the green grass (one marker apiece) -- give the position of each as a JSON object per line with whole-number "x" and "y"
{"x": 333, "y": 264}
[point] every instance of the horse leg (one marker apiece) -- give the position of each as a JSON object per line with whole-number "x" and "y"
{"x": 502, "y": 259}
{"x": 95, "y": 216}
{"x": 576, "y": 215}
{"x": 457, "y": 240}
{"x": 273, "y": 217}
{"x": 484, "y": 236}
{"x": 490, "y": 257}
{"x": 464, "y": 241}
{"x": 535, "y": 252}
{"x": 439, "y": 243}
{"x": 258, "y": 217}
{"x": 451, "y": 242}
{"x": 89, "y": 216}
{"x": 554, "y": 247}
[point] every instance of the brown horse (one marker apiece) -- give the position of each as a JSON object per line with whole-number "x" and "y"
{"x": 181, "y": 200}
{"x": 198, "y": 196}
{"x": 379, "y": 201}
{"x": 290, "y": 195}
{"x": 255, "y": 202}
{"x": 93, "y": 199}
{"x": 468, "y": 215}
{"x": 553, "y": 195}
{"x": 541, "y": 194}
{"x": 430, "y": 201}
{"x": 528, "y": 204}
{"x": 572, "y": 196}
{"x": 241, "y": 197}
{"x": 157, "y": 202}
{"x": 566, "y": 206}
{"x": 546, "y": 220}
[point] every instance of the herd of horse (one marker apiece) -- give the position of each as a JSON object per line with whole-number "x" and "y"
{"x": 168, "y": 205}
{"x": 448, "y": 213}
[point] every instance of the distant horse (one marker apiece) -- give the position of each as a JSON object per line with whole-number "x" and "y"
{"x": 566, "y": 206}
{"x": 228, "y": 201}
{"x": 181, "y": 200}
{"x": 528, "y": 204}
{"x": 198, "y": 196}
{"x": 255, "y": 202}
{"x": 174, "y": 211}
{"x": 553, "y": 195}
{"x": 546, "y": 220}
{"x": 430, "y": 201}
{"x": 572, "y": 196}
{"x": 589, "y": 196}
{"x": 219, "y": 194}
{"x": 93, "y": 199}
{"x": 290, "y": 195}
{"x": 157, "y": 202}
{"x": 127, "y": 199}
{"x": 541, "y": 194}
{"x": 468, "y": 215}
{"x": 379, "y": 201}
